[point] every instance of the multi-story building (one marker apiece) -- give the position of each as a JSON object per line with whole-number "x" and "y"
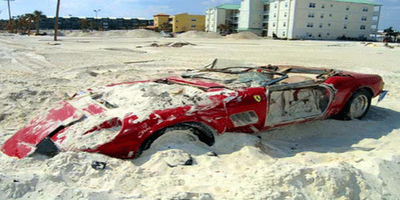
{"x": 185, "y": 22}
{"x": 310, "y": 19}
{"x": 227, "y": 15}
{"x": 109, "y": 23}
{"x": 160, "y": 20}
{"x": 180, "y": 22}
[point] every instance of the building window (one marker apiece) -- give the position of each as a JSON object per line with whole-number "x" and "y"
{"x": 265, "y": 7}
{"x": 275, "y": 15}
{"x": 283, "y": 33}
{"x": 311, "y": 5}
{"x": 331, "y": 5}
{"x": 275, "y": 5}
{"x": 284, "y": 24}
{"x": 193, "y": 19}
{"x": 319, "y": 35}
{"x": 347, "y": 8}
{"x": 327, "y": 34}
{"x": 330, "y": 15}
{"x": 286, "y": 4}
{"x": 310, "y": 25}
{"x": 329, "y": 24}
{"x": 365, "y": 9}
{"x": 320, "y": 25}
{"x": 322, "y": 15}
{"x": 323, "y": 6}
{"x": 345, "y": 26}
{"x": 346, "y": 17}
{"x": 364, "y": 18}
{"x": 311, "y": 15}
{"x": 273, "y": 24}
{"x": 285, "y": 15}
{"x": 362, "y": 27}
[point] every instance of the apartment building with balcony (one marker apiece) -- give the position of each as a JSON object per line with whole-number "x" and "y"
{"x": 323, "y": 19}
{"x": 227, "y": 15}
{"x": 309, "y": 19}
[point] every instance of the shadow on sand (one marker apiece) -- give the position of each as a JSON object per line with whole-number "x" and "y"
{"x": 331, "y": 135}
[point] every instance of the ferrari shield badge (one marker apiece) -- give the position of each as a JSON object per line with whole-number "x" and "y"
{"x": 257, "y": 98}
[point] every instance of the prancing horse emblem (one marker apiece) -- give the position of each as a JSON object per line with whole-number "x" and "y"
{"x": 257, "y": 98}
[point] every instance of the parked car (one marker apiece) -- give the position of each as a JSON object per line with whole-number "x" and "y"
{"x": 123, "y": 120}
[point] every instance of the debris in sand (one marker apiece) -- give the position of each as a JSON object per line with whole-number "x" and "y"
{"x": 389, "y": 46}
{"x": 99, "y": 165}
{"x": 125, "y": 50}
{"x": 139, "y": 61}
{"x": 370, "y": 44}
{"x": 172, "y": 44}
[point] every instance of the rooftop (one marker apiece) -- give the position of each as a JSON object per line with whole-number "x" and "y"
{"x": 161, "y": 14}
{"x": 228, "y": 7}
{"x": 358, "y": 1}
{"x": 344, "y": 1}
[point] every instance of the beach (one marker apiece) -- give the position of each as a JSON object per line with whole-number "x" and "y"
{"x": 326, "y": 159}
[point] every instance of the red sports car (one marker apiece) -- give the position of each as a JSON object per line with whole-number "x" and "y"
{"x": 122, "y": 120}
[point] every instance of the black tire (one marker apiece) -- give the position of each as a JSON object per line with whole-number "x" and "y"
{"x": 357, "y": 106}
{"x": 203, "y": 133}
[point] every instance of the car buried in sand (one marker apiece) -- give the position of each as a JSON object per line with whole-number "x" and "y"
{"x": 123, "y": 120}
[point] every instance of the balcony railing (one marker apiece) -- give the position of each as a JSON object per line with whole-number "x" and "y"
{"x": 376, "y": 13}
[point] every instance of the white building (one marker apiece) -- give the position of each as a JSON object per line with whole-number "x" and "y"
{"x": 310, "y": 19}
{"x": 224, "y": 14}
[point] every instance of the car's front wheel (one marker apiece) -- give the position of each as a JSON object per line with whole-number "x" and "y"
{"x": 189, "y": 131}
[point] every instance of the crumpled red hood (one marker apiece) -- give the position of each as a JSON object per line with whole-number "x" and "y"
{"x": 24, "y": 142}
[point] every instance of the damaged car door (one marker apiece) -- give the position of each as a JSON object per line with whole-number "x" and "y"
{"x": 297, "y": 102}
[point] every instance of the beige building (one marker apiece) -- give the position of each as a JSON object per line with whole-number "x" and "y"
{"x": 160, "y": 20}
{"x": 185, "y": 22}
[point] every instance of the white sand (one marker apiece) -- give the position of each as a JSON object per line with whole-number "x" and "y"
{"x": 326, "y": 159}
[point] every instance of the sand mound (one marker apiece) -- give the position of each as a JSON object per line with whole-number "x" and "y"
{"x": 243, "y": 35}
{"x": 138, "y": 33}
{"x": 199, "y": 34}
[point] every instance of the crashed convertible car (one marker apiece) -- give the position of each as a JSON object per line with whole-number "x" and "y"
{"x": 123, "y": 120}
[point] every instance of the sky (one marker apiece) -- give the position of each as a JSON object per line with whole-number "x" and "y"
{"x": 390, "y": 15}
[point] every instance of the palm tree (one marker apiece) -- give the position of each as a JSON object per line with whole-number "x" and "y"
{"x": 166, "y": 26}
{"x": 222, "y": 27}
{"x": 38, "y": 15}
{"x": 84, "y": 24}
{"x": 29, "y": 19}
{"x": 56, "y": 21}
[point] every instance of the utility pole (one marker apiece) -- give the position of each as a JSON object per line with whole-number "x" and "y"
{"x": 9, "y": 8}
{"x": 9, "y": 14}
{"x": 97, "y": 22}
{"x": 56, "y": 23}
